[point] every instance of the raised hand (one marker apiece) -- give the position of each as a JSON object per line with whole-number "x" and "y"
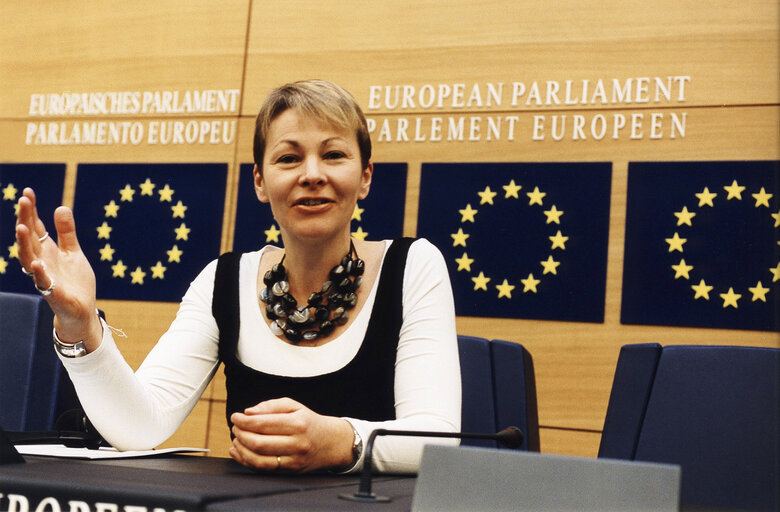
{"x": 60, "y": 271}
{"x": 284, "y": 435}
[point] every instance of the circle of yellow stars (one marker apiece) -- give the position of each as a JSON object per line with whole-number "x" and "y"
{"x": 676, "y": 244}
{"x": 10, "y": 193}
{"x": 126, "y": 195}
{"x": 548, "y": 266}
{"x": 272, "y": 234}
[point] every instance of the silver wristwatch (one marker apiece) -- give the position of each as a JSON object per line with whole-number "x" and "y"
{"x": 357, "y": 450}
{"x": 68, "y": 349}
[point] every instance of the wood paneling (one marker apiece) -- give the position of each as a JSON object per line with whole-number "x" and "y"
{"x": 731, "y": 107}
{"x": 93, "y": 46}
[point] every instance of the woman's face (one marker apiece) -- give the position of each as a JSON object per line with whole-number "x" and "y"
{"x": 311, "y": 176}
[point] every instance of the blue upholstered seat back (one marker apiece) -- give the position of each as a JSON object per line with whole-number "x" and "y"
{"x": 32, "y": 382}
{"x": 499, "y": 390}
{"x": 713, "y": 410}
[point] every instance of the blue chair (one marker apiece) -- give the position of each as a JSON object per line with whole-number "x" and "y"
{"x": 34, "y": 388}
{"x": 499, "y": 390}
{"x": 714, "y": 410}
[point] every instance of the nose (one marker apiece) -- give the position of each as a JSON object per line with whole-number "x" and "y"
{"x": 312, "y": 173}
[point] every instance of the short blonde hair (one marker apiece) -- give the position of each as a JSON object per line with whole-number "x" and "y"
{"x": 320, "y": 99}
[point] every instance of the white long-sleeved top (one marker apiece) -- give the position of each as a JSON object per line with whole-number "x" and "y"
{"x": 141, "y": 410}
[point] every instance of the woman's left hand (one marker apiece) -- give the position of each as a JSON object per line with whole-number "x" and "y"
{"x": 282, "y": 434}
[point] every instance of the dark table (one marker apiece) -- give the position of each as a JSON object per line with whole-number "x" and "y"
{"x": 182, "y": 483}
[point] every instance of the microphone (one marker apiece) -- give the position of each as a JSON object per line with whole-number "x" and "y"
{"x": 73, "y": 429}
{"x": 511, "y": 437}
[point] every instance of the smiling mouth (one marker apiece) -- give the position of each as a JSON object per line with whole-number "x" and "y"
{"x": 312, "y": 202}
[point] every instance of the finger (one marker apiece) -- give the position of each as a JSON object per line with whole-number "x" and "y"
{"x": 66, "y": 229}
{"x": 24, "y": 242}
{"x": 43, "y": 281}
{"x": 275, "y": 405}
{"x": 269, "y": 424}
{"x": 261, "y": 461}
{"x": 40, "y": 228}
{"x": 32, "y": 219}
{"x": 265, "y": 441}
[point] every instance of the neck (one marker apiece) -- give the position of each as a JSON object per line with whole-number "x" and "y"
{"x": 309, "y": 264}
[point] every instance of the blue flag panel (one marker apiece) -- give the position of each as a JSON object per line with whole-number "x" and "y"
{"x": 521, "y": 240}
{"x": 702, "y": 245}
{"x": 379, "y": 216}
{"x": 47, "y": 180}
{"x": 149, "y": 229}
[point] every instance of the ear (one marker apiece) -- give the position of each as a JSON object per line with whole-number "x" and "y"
{"x": 365, "y": 180}
{"x": 259, "y": 185}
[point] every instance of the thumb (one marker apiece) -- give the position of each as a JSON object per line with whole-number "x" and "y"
{"x": 66, "y": 229}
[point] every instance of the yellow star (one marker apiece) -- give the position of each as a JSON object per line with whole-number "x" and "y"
{"x": 776, "y": 216}
{"x": 174, "y": 255}
{"x": 702, "y": 290}
{"x": 775, "y": 273}
{"x": 104, "y": 231}
{"x": 480, "y": 282}
{"x": 762, "y": 198}
{"x": 3, "y": 265}
{"x": 676, "y": 243}
{"x": 535, "y": 197}
{"x": 511, "y": 190}
{"x": 357, "y": 213}
{"x": 529, "y": 283}
{"x": 550, "y": 266}
{"x": 486, "y": 196}
{"x": 559, "y": 241}
{"x": 553, "y": 215}
{"x": 127, "y": 193}
{"x": 178, "y": 210}
{"x": 505, "y": 289}
{"x": 681, "y": 270}
{"x": 734, "y": 190}
{"x": 166, "y": 193}
{"x": 137, "y": 276}
{"x": 359, "y": 234}
{"x": 759, "y": 292}
{"x": 106, "y": 253}
{"x": 467, "y": 214}
{"x": 730, "y": 298}
{"x": 9, "y": 192}
{"x": 147, "y": 187}
{"x": 459, "y": 238}
{"x": 182, "y": 232}
{"x": 464, "y": 262}
{"x": 111, "y": 209}
{"x": 13, "y": 251}
{"x": 158, "y": 271}
{"x": 272, "y": 234}
{"x": 119, "y": 269}
{"x": 706, "y": 197}
{"x": 684, "y": 216}
{"x": 16, "y": 209}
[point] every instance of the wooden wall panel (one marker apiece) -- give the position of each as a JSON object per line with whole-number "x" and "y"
{"x": 726, "y": 48}
{"x": 728, "y": 51}
{"x": 93, "y": 46}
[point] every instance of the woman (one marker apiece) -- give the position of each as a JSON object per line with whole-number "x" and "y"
{"x": 323, "y": 341}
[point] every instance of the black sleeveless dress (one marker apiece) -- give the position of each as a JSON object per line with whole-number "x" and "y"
{"x": 362, "y": 389}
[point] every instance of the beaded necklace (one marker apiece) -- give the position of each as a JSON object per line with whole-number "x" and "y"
{"x": 323, "y": 311}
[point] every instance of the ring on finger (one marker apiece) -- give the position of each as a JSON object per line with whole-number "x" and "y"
{"x": 48, "y": 290}
{"x": 44, "y": 237}
{"x": 27, "y": 272}
{"x": 278, "y": 462}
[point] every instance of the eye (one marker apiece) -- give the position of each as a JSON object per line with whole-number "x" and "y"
{"x": 334, "y": 155}
{"x": 287, "y": 159}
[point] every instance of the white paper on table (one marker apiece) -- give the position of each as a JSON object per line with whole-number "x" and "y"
{"x": 62, "y": 451}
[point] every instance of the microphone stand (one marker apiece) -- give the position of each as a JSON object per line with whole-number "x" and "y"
{"x": 511, "y": 437}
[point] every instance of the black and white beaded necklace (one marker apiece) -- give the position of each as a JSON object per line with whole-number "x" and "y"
{"x": 323, "y": 311}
